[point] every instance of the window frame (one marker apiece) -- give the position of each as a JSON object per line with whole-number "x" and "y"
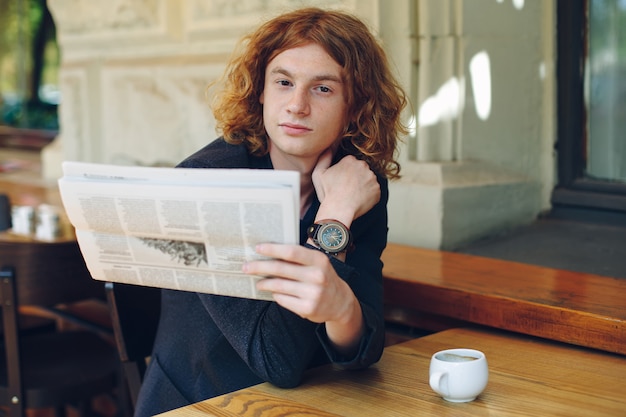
{"x": 576, "y": 196}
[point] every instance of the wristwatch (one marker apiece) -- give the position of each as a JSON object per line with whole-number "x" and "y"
{"x": 331, "y": 236}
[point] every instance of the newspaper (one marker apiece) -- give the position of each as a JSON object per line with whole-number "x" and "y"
{"x": 179, "y": 228}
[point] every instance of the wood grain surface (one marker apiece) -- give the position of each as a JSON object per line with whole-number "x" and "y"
{"x": 578, "y": 308}
{"x": 528, "y": 377}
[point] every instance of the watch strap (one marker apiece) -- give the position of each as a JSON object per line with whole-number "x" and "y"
{"x": 313, "y": 233}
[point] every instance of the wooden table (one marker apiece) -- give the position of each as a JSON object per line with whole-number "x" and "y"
{"x": 42, "y": 266}
{"x": 528, "y": 377}
{"x": 50, "y": 272}
{"x": 424, "y": 286}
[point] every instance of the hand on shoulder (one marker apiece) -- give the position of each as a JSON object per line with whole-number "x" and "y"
{"x": 346, "y": 190}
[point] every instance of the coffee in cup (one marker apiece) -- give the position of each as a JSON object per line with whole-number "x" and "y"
{"x": 458, "y": 375}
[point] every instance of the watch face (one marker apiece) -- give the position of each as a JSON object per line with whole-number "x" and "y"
{"x": 332, "y": 237}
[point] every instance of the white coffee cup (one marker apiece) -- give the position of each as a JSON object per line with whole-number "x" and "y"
{"x": 458, "y": 375}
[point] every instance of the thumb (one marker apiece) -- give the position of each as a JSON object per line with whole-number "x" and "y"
{"x": 323, "y": 163}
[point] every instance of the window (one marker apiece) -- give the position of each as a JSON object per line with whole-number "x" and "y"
{"x": 591, "y": 143}
{"x": 605, "y": 90}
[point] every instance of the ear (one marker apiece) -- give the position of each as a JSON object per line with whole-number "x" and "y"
{"x": 261, "y": 97}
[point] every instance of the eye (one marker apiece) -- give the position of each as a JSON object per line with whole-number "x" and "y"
{"x": 324, "y": 89}
{"x": 284, "y": 83}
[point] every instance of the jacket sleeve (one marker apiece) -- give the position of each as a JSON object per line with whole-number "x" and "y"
{"x": 363, "y": 272}
{"x": 277, "y": 344}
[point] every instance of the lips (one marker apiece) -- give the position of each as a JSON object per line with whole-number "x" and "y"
{"x": 294, "y": 128}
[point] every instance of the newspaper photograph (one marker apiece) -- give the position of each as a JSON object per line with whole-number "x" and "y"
{"x": 179, "y": 228}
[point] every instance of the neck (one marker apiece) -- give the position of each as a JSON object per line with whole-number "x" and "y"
{"x": 306, "y": 193}
{"x": 305, "y": 168}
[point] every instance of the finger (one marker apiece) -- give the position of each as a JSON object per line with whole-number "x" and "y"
{"x": 303, "y": 308}
{"x": 291, "y": 253}
{"x": 271, "y": 269}
{"x": 280, "y": 286}
{"x": 290, "y": 295}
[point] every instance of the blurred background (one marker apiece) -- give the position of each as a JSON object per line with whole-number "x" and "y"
{"x": 517, "y": 146}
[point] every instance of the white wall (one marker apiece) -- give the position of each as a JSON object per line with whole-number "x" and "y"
{"x": 481, "y": 160}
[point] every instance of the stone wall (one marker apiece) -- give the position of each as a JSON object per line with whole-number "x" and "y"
{"x": 135, "y": 74}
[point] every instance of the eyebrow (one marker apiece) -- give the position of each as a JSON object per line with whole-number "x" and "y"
{"x": 320, "y": 77}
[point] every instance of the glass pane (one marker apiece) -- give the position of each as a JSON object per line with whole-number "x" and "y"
{"x": 606, "y": 86}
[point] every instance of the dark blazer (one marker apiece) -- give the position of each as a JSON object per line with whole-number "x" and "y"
{"x": 208, "y": 345}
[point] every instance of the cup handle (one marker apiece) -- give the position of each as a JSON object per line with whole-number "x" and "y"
{"x": 438, "y": 384}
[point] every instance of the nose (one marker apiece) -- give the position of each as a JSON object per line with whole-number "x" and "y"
{"x": 298, "y": 102}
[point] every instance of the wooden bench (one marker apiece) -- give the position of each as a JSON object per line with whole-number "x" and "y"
{"x": 434, "y": 290}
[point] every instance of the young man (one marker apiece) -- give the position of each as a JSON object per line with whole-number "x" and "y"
{"x": 310, "y": 91}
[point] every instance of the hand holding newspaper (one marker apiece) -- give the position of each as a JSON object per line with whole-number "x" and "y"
{"x": 179, "y": 228}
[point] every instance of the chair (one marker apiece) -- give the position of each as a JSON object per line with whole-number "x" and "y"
{"x": 49, "y": 368}
{"x": 135, "y": 312}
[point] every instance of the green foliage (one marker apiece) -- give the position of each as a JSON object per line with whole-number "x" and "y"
{"x": 20, "y": 105}
{"x": 33, "y": 115}
{"x": 607, "y": 27}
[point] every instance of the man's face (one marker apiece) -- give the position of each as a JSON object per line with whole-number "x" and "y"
{"x": 304, "y": 106}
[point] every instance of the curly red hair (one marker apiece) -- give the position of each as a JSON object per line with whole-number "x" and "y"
{"x": 374, "y": 97}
